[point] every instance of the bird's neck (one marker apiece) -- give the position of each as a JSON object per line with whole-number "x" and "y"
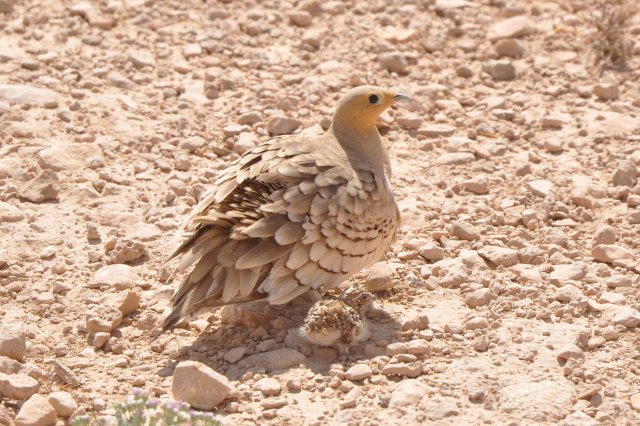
{"x": 363, "y": 145}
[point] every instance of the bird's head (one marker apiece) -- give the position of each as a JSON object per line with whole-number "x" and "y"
{"x": 360, "y": 107}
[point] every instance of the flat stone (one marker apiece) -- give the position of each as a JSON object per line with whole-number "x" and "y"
{"x": 10, "y": 213}
{"x": 479, "y": 297}
{"x": 13, "y": 341}
{"x": 626, "y": 316}
{"x": 280, "y": 125}
{"x": 635, "y": 401}
{"x": 502, "y": 70}
{"x": 464, "y": 231}
{"x": 431, "y": 252}
{"x": 126, "y": 302}
{"x": 43, "y": 187}
{"x": 436, "y": 130}
{"x": 393, "y": 62}
{"x": 18, "y": 386}
{"x": 610, "y": 253}
{"x": 268, "y": 386}
{"x": 102, "y": 318}
{"x": 515, "y": 27}
{"x": 408, "y": 392}
{"x": 540, "y": 402}
{"x": 499, "y": 256}
{"x": 36, "y": 411}
{"x": 234, "y": 355}
{"x": 118, "y": 276}
{"x": 358, "y": 372}
{"x": 455, "y": 158}
{"x": 63, "y": 403}
{"x": 21, "y": 94}
{"x": 569, "y": 351}
{"x": 199, "y": 385}
{"x": 567, "y": 272}
{"x": 412, "y": 369}
{"x": 70, "y": 156}
{"x": 278, "y": 359}
{"x": 541, "y": 188}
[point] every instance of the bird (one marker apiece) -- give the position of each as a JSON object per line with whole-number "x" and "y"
{"x": 296, "y": 214}
{"x": 338, "y": 322}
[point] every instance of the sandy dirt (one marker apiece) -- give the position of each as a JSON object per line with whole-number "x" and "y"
{"x": 513, "y": 290}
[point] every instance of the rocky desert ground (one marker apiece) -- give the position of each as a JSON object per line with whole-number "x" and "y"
{"x": 511, "y": 296}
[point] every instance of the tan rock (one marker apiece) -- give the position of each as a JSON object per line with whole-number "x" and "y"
{"x": 199, "y": 385}
{"x": 13, "y": 341}
{"x": 36, "y": 411}
{"x": 18, "y": 386}
{"x": 63, "y": 403}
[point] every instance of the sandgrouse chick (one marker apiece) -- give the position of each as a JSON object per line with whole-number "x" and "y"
{"x": 337, "y": 322}
{"x": 294, "y": 214}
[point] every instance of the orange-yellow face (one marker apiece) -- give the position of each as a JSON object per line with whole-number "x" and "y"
{"x": 362, "y": 105}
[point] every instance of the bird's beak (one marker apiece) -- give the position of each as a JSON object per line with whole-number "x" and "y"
{"x": 400, "y": 97}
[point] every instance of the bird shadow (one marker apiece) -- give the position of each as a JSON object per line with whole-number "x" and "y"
{"x": 240, "y": 335}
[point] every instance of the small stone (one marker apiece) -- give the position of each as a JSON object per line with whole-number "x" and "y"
{"x": 6, "y": 6}
{"x": 605, "y": 235}
{"x": 567, "y": 272}
{"x": 396, "y": 348}
{"x": 613, "y": 298}
{"x": 280, "y": 125}
{"x": 409, "y": 120}
{"x": 44, "y": 187}
{"x": 463, "y": 231}
{"x": 477, "y": 185}
{"x": 626, "y": 316}
{"x": 541, "y": 188}
{"x": 418, "y": 347}
{"x": 245, "y": 142}
{"x": 268, "y": 386}
{"x": 193, "y": 143}
{"x": 439, "y": 130}
{"x": 455, "y": 158}
{"x": 141, "y": 59}
{"x": 476, "y": 323}
{"x": 413, "y": 369}
{"x": 358, "y": 372}
{"x": 100, "y": 339}
{"x": 610, "y": 253}
{"x": 28, "y": 95}
{"x": 635, "y": 401}
{"x": 618, "y": 280}
{"x": 13, "y": 341}
{"x": 36, "y": 411}
{"x": 626, "y": 174}
{"x": 515, "y": 27}
{"x": 431, "y": 252}
{"x": 479, "y": 297}
{"x": 408, "y": 392}
{"x": 192, "y": 378}
{"x": 569, "y": 351}
{"x": 126, "y": 302}
{"x": 416, "y": 321}
{"x": 511, "y": 48}
{"x": 607, "y": 89}
{"x": 393, "y": 62}
{"x": 191, "y": 50}
{"x": 10, "y": 213}
{"x": 499, "y": 256}
{"x": 119, "y": 276}
{"x": 234, "y": 355}
{"x": 500, "y": 70}
{"x": 63, "y": 403}
{"x": 379, "y": 277}
{"x": 300, "y": 18}
{"x": 102, "y": 318}
{"x": 18, "y": 386}
{"x": 278, "y": 359}
{"x": 568, "y": 293}
{"x": 127, "y": 250}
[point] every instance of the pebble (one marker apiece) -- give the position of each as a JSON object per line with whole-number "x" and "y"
{"x": 70, "y": 156}
{"x": 126, "y": 302}
{"x": 610, "y": 253}
{"x": 393, "y": 62}
{"x": 541, "y": 188}
{"x": 18, "y": 386}
{"x": 191, "y": 50}
{"x": 463, "y": 231}
{"x": 102, "y": 318}
{"x": 618, "y": 280}
{"x": 199, "y": 385}
{"x": 438, "y": 130}
{"x": 63, "y": 403}
{"x": 464, "y": 71}
{"x": 43, "y": 187}
{"x": 358, "y": 372}
{"x": 567, "y": 272}
{"x": 517, "y": 26}
{"x": 502, "y": 70}
{"x": 28, "y": 95}
{"x": 605, "y": 234}
{"x": 234, "y": 355}
{"x": 412, "y": 369}
{"x": 626, "y": 174}
{"x": 408, "y": 392}
{"x": 300, "y": 18}
{"x": 626, "y": 316}
{"x": 36, "y": 411}
{"x": 379, "y": 277}
{"x": 614, "y": 298}
{"x": 278, "y": 359}
{"x": 479, "y": 297}
{"x": 141, "y": 59}
{"x": 635, "y": 401}
{"x": 118, "y": 276}
{"x": 478, "y": 185}
{"x": 409, "y": 120}
{"x": 569, "y": 351}
{"x": 268, "y": 386}
{"x": 568, "y": 293}
{"x": 499, "y": 256}
{"x": 431, "y": 252}
{"x": 13, "y": 341}
{"x": 455, "y": 158}
{"x": 477, "y": 323}
{"x": 416, "y": 321}
{"x": 10, "y": 213}
{"x": 511, "y": 48}
{"x": 127, "y": 250}
{"x": 280, "y": 125}
{"x": 607, "y": 89}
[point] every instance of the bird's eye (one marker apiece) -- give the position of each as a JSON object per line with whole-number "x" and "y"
{"x": 374, "y": 99}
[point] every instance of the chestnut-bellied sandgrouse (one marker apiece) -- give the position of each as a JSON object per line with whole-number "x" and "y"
{"x": 294, "y": 214}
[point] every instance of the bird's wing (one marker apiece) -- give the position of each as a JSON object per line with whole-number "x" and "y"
{"x": 288, "y": 216}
